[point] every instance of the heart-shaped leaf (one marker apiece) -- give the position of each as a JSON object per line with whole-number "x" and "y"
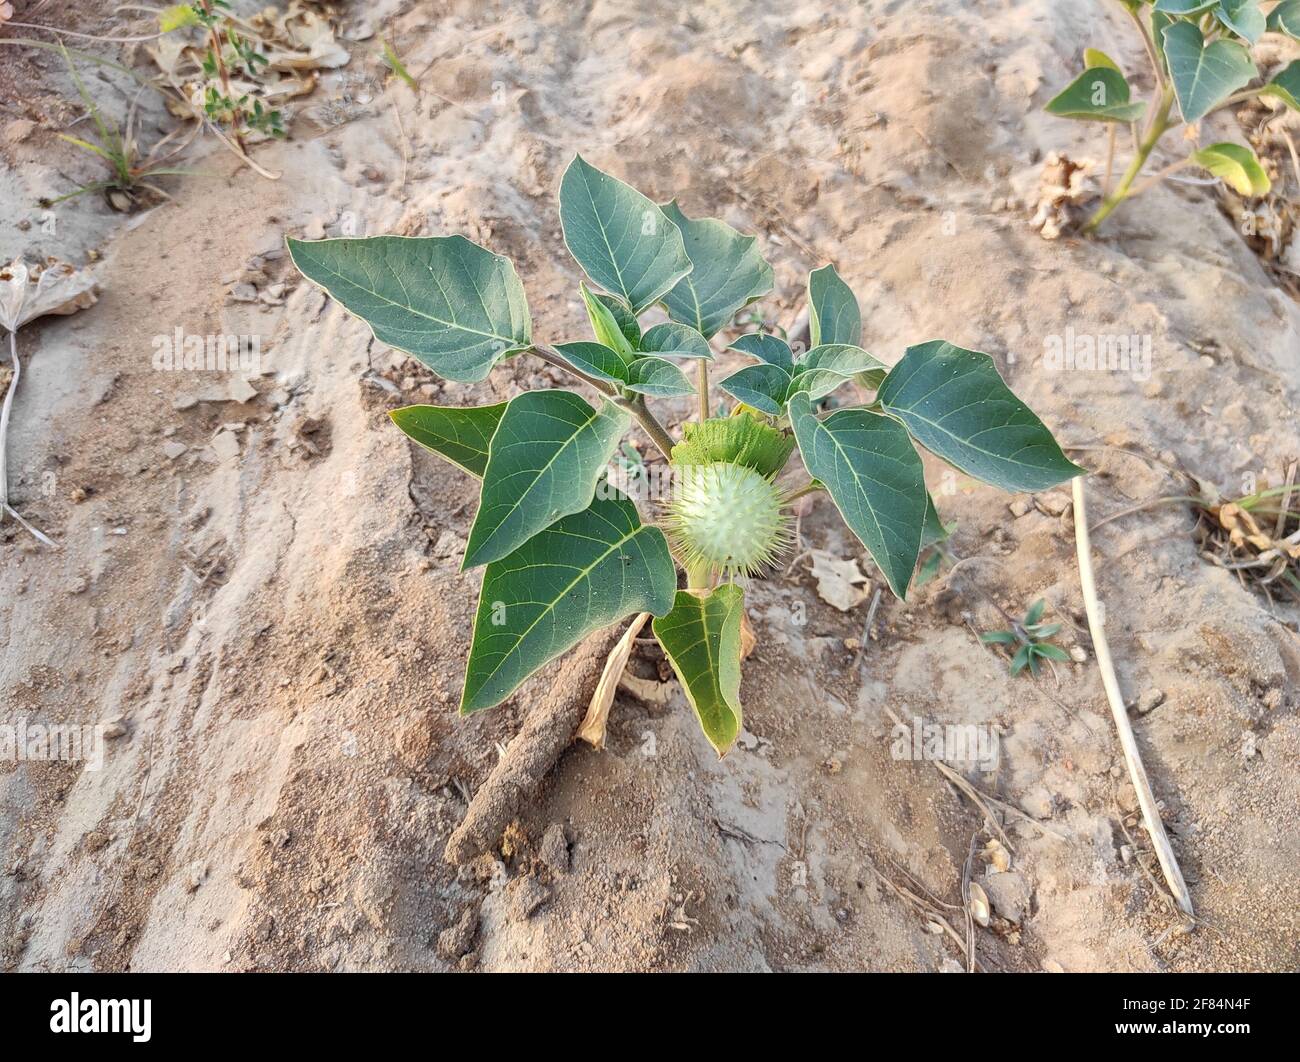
{"x": 584, "y": 572}
{"x": 545, "y": 458}
{"x": 833, "y": 314}
{"x": 453, "y": 305}
{"x": 1204, "y": 75}
{"x": 1099, "y": 94}
{"x": 701, "y": 638}
{"x": 1236, "y": 166}
{"x": 460, "y": 434}
{"x": 620, "y": 238}
{"x": 675, "y": 340}
{"x": 1286, "y": 85}
{"x": 1094, "y": 57}
{"x": 658, "y": 378}
{"x": 956, "y": 405}
{"x": 612, "y": 323}
{"x": 595, "y": 359}
{"x": 1285, "y": 18}
{"x": 771, "y": 349}
{"x": 1243, "y": 17}
{"x": 728, "y": 273}
{"x": 764, "y": 387}
{"x": 875, "y": 477}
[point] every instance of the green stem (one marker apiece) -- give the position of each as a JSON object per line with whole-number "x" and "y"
{"x": 1145, "y": 147}
{"x": 704, "y": 389}
{"x": 697, "y": 576}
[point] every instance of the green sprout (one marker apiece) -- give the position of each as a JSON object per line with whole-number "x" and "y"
{"x": 1031, "y": 635}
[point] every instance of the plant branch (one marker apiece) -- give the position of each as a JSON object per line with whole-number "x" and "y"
{"x": 703, "y": 386}
{"x": 1159, "y": 176}
{"x": 1148, "y": 44}
{"x": 219, "y": 59}
{"x": 1159, "y": 124}
{"x": 5, "y": 507}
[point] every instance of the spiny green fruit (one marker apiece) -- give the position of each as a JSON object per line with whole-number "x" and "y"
{"x": 740, "y": 439}
{"x": 727, "y": 519}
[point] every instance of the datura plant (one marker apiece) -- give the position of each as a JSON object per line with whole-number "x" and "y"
{"x": 1200, "y": 57}
{"x": 562, "y": 551}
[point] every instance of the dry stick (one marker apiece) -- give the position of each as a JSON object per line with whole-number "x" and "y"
{"x": 1132, "y": 757}
{"x": 5, "y": 507}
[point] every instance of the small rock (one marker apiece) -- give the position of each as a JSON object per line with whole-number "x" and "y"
{"x": 1078, "y": 654}
{"x": 19, "y": 130}
{"x": 1037, "y": 802}
{"x": 183, "y": 402}
{"x": 1126, "y": 854}
{"x": 1020, "y": 507}
{"x": 114, "y": 727}
{"x": 243, "y": 292}
{"x": 457, "y": 940}
{"x": 1053, "y": 503}
{"x": 1009, "y": 893}
{"x": 555, "y": 848}
{"x": 1150, "y": 700}
{"x": 314, "y": 230}
{"x": 225, "y": 445}
{"x": 527, "y": 896}
{"x": 173, "y": 450}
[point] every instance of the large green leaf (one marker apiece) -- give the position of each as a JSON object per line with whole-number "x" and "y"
{"x": 624, "y": 242}
{"x": 1243, "y": 17}
{"x": 1285, "y": 18}
{"x": 874, "y": 475}
{"x": 596, "y": 360}
{"x": 658, "y": 378}
{"x": 833, "y": 314}
{"x": 1099, "y": 94}
{"x": 1183, "y": 7}
{"x": 1204, "y": 75}
{"x": 460, "y": 434}
{"x": 544, "y": 461}
{"x": 584, "y": 572}
{"x": 1235, "y": 165}
{"x": 955, "y": 405}
{"x": 701, "y": 638}
{"x": 455, "y": 306}
{"x": 728, "y": 273}
{"x": 824, "y": 368}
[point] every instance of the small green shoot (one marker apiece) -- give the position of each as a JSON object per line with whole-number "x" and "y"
{"x": 395, "y": 64}
{"x": 1031, "y": 636}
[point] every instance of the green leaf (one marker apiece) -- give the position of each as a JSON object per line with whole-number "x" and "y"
{"x": 701, "y": 638}
{"x": 461, "y": 435}
{"x": 833, "y": 315}
{"x": 765, "y": 387}
{"x": 584, "y": 572}
{"x": 1094, "y": 57}
{"x": 1184, "y": 7}
{"x": 728, "y": 273}
{"x": 545, "y": 458}
{"x": 955, "y": 405}
{"x": 658, "y": 378}
{"x": 177, "y": 16}
{"x": 453, "y": 305}
{"x": 737, "y": 440}
{"x": 1285, "y": 18}
{"x": 1099, "y": 94}
{"x": 875, "y": 477}
{"x": 824, "y": 368}
{"x": 595, "y": 359}
{"x": 1035, "y": 612}
{"x": 620, "y": 238}
{"x": 998, "y": 638}
{"x": 1024, "y": 655}
{"x": 1054, "y": 652}
{"x": 1286, "y": 84}
{"x": 611, "y": 321}
{"x": 935, "y": 530}
{"x": 1204, "y": 75}
{"x": 1236, "y": 166}
{"x": 675, "y": 340}
{"x": 1243, "y": 17}
{"x": 771, "y": 349}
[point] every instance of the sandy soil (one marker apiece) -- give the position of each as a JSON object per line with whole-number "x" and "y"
{"x": 277, "y": 613}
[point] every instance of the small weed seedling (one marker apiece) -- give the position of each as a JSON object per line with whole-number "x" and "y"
{"x": 1031, "y": 635}
{"x": 1200, "y": 55}
{"x": 562, "y": 552}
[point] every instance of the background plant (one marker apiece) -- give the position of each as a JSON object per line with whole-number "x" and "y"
{"x": 1030, "y": 637}
{"x": 562, "y": 552}
{"x": 1200, "y": 57}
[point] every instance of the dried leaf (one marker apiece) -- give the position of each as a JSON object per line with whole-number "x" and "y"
{"x": 1066, "y": 191}
{"x": 53, "y": 287}
{"x": 840, "y": 583}
{"x": 592, "y": 728}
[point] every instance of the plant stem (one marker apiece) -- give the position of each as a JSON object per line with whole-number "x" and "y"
{"x": 704, "y": 389}
{"x": 235, "y": 113}
{"x": 1110, "y": 160}
{"x": 5, "y": 507}
{"x": 1156, "y": 178}
{"x": 1159, "y": 124}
